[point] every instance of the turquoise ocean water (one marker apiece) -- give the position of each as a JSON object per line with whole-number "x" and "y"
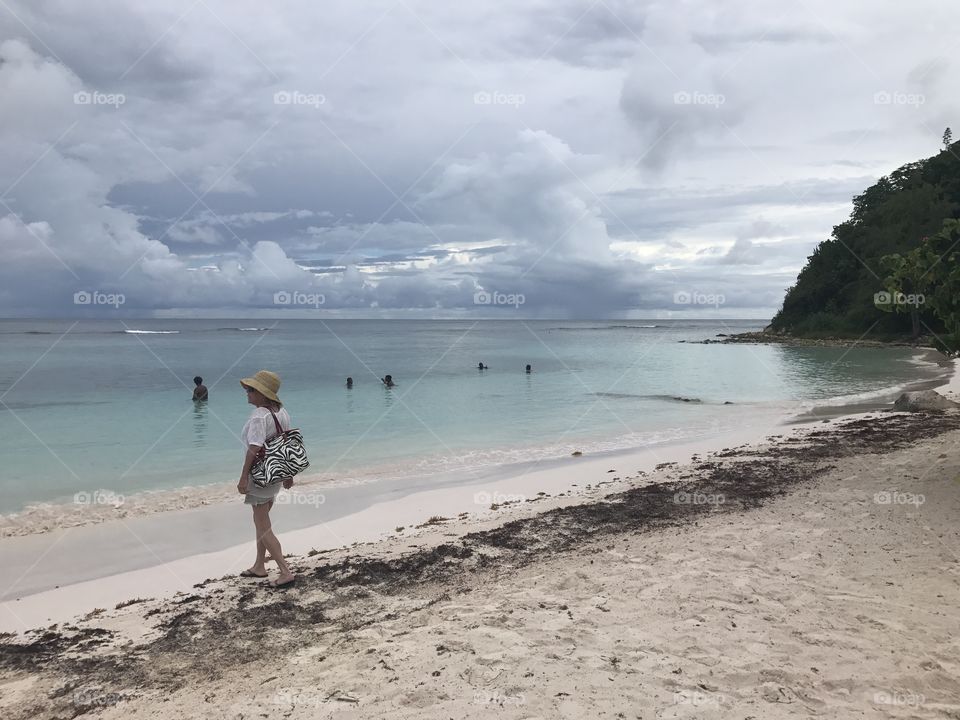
{"x": 106, "y": 404}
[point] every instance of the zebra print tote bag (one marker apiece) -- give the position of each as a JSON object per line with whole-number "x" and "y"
{"x": 281, "y": 457}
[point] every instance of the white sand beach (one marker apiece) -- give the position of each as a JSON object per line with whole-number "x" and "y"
{"x": 812, "y": 576}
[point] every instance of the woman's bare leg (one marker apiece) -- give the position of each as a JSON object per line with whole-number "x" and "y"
{"x": 260, "y": 564}
{"x": 261, "y": 519}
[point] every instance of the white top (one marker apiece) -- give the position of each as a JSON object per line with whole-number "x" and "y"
{"x": 260, "y": 426}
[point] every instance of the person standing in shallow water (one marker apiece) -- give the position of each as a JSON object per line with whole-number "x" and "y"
{"x": 200, "y": 392}
{"x": 349, "y": 383}
{"x": 268, "y": 412}
{"x": 387, "y": 381}
{"x": 528, "y": 369}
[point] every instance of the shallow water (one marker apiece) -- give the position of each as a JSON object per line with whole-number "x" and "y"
{"x": 101, "y": 407}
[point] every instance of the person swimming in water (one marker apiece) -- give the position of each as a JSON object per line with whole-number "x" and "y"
{"x": 200, "y": 392}
{"x": 387, "y": 381}
{"x": 528, "y": 369}
{"x": 349, "y": 383}
{"x": 481, "y": 366}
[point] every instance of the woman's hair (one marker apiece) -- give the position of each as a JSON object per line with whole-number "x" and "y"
{"x": 197, "y": 380}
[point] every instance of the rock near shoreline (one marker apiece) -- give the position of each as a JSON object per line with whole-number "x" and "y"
{"x": 924, "y": 400}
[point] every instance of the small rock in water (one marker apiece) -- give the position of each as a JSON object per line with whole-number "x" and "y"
{"x": 576, "y": 453}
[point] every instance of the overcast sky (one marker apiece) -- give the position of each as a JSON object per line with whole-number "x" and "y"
{"x": 544, "y": 158}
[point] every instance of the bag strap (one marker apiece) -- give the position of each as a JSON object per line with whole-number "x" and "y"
{"x": 276, "y": 422}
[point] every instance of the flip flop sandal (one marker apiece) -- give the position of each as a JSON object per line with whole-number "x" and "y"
{"x": 247, "y": 573}
{"x": 281, "y": 586}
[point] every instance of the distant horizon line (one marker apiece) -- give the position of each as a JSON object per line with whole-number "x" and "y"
{"x": 80, "y": 318}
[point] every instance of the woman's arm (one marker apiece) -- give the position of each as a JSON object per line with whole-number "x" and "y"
{"x": 248, "y": 460}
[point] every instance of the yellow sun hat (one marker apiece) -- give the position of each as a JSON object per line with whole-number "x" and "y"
{"x": 264, "y": 382}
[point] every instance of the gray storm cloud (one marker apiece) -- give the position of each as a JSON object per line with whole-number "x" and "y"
{"x": 595, "y": 158}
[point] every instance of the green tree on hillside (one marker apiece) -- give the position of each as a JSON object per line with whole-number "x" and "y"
{"x": 931, "y": 272}
{"x": 905, "y": 287}
{"x": 834, "y": 292}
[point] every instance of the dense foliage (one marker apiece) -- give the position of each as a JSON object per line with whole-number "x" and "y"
{"x": 928, "y": 279}
{"x": 836, "y": 292}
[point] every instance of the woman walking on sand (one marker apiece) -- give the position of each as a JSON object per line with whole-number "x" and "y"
{"x": 268, "y": 414}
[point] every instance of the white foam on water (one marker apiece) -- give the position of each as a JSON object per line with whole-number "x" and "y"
{"x": 891, "y": 391}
